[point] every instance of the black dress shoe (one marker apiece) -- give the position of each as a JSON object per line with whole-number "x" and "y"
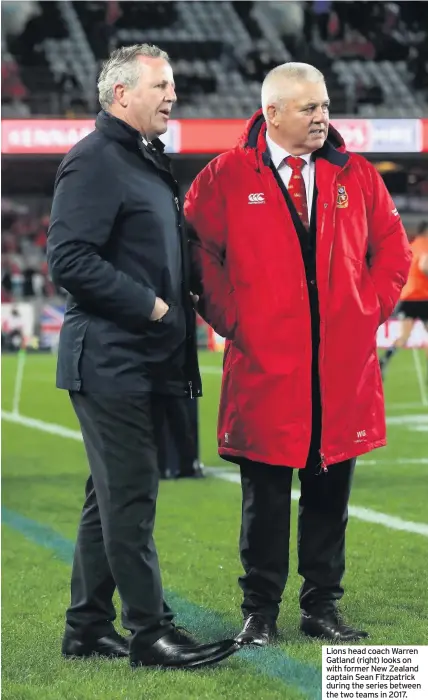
{"x": 177, "y": 649}
{"x": 258, "y": 630}
{"x": 328, "y": 625}
{"x": 196, "y": 472}
{"x": 111, "y": 646}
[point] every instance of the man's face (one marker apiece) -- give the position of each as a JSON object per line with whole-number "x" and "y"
{"x": 149, "y": 103}
{"x": 301, "y": 124}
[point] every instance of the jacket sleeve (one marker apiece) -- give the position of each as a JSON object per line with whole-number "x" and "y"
{"x": 206, "y": 217}
{"x": 85, "y": 205}
{"x": 389, "y": 249}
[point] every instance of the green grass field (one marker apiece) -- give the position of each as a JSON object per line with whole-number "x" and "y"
{"x": 196, "y": 534}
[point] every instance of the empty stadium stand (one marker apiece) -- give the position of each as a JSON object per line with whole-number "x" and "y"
{"x": 374, "y": 54}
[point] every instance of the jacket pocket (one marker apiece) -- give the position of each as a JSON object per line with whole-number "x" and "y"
{"x": 168, "y": 333}
{"x": 375, "y": 294}
{"x": 365, "y": 290}
{"x": 70, "y": 353}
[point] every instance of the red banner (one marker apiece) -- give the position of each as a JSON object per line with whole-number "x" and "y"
{"x": 210, "y": 135}
{"x": 57, "y": 136}
{"x": 42, "y": 135}
{"x": 424, "y": 135}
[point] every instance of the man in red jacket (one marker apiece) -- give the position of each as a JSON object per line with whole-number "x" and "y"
{"x": 300, "y": 253}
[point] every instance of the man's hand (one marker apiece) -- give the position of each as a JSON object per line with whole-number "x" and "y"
{"x": 159, "y": 310}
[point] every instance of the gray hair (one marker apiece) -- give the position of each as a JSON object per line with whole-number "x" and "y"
{"x": 273, "y": 89}
{"x": 122, "y": 67}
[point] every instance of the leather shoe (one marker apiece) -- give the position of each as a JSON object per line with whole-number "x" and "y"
{"x": 196, "y": 471}
{"x": 111, "y": 646}
{"x": 176, "y": 649}
{"x": 258, "y": 630}
{"x": 328, "y": 625}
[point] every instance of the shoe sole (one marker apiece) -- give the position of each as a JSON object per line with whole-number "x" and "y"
{"x": 92, "y": 654}
{"x": 194, "y": 664}
{"x": 89, "y": 653}
{"x": 354, "y": 638}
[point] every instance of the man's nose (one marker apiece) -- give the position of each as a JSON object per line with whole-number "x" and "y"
{"x": 171, "y": 95}
{"x": 319, "y": 115}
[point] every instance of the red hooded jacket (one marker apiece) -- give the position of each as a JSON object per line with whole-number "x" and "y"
{"x": 254, "y": 293}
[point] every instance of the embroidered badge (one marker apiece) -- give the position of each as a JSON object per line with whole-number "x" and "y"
{"x": 342, "y": 197}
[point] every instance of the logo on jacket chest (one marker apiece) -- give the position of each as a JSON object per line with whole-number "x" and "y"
{"x": 342, "y": 197}
{"x": 256, "y": 198}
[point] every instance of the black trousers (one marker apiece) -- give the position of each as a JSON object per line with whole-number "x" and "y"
{"x": 115, "y": 546}
{"x": 265, "y": 534}
{"x": 265, "y": 527}
{"x": 323, "y": 516}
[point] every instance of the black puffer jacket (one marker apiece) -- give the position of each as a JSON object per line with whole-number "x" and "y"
{"x": 115, "y": 242}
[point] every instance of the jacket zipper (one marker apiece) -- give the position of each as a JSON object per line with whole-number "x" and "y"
{"x": 191, "y": 389}
{"x": 322, "y": 464}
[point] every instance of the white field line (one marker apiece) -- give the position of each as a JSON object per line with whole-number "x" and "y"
{"x": 369, "y": 516}
{"x": 402, "y": 406}
{"x": 409, "y": 419}
{"x": 420, "y": 377}
{"x": 403, "y": 461}
{"x": 365, "y": 514}
{"x": 22, "y": 356}
{"x": 41, "y": 425}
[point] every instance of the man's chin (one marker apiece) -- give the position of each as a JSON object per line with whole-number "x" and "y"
{"x": 161, "y": 130}
{"x": 316, "y": 141}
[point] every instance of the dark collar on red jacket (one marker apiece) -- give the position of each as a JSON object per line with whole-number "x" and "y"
{"x": 329, "y": 151}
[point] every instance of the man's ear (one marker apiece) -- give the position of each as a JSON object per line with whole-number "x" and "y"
{"x": 272, "y": 115}
{"x": 120, "y": 94}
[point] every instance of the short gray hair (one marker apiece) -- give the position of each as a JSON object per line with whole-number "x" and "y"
{"x": 122, "y": 67}
{"x": 272, "y": 88}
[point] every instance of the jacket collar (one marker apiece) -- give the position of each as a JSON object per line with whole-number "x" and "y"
{"x": 279, "y": 154}
{"x": 254, "y": 137}
{"x": 118, "y": 130}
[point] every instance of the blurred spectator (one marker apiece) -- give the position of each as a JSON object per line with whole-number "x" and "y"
{"x": 23, "y": 247}
{"x": 12, "y": 331}
{"x": 12, "y": 86}
{"x": 318, "y": 14}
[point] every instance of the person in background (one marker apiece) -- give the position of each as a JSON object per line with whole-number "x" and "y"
{"x": 298, "y": 253}
{"x": 13, "y": 331}
{"x": 414, "y": 297}
{"x": 179, "y": 453}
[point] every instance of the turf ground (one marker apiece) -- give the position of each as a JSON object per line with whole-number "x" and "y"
{"x": 196, "y": 534}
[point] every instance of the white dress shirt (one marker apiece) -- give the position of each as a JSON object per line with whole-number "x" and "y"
{"x": 278, "y": 154}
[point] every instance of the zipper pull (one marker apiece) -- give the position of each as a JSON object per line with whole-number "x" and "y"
{"x": 322, "y": 465}
{"x": 177, "y": 204}
{"x": 191, "y": 389}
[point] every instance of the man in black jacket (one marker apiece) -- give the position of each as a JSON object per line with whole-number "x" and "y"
{"x": 116, "y": 243}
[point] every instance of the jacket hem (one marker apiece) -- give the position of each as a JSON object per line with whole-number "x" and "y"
{"x": 357, "y": 452}
{"x": 237, "y": 455}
